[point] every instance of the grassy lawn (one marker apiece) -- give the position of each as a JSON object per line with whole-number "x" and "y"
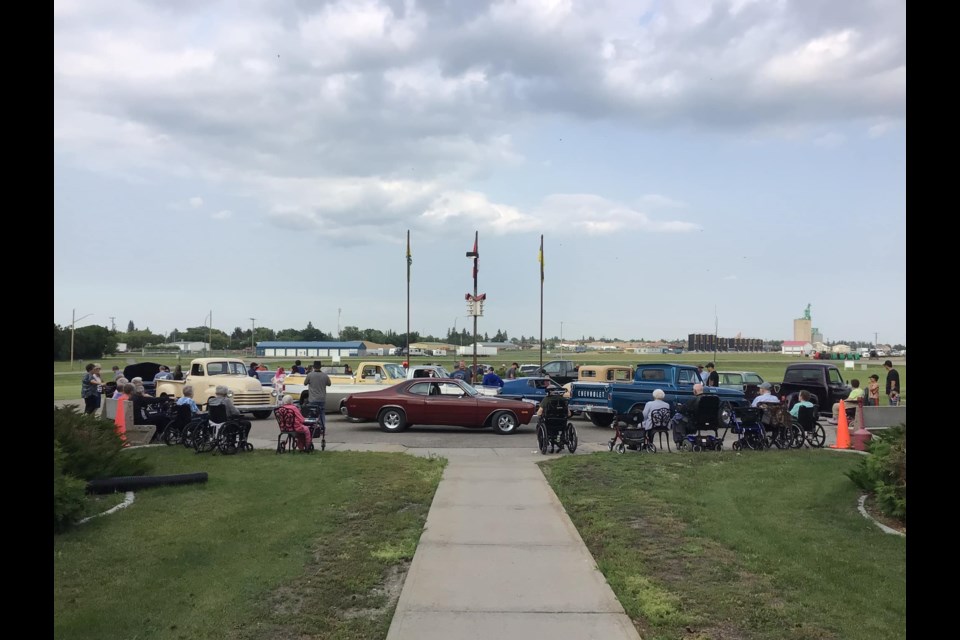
{"x": 759, "y": 545}
{"x": 270, "y": 547}
{"x": 770, "y": 366}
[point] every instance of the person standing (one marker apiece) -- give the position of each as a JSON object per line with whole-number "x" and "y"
{"x": 512, "y": 371}
{"x": 117, "y": 374}
{"x": 893, "y": 383}
{"x": 713, "y": 378}
{"x": 317, "y": 382}
{"x": 178, "y": 373}
{"x": 252, "y": 371}
{"x": 703, "y": 374}
{"x": 458, "y": 371}
{"x": 91, "y": 386}
{"x": 491, "y": 379}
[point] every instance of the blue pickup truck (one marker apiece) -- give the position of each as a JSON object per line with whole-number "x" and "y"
{"x": 601, "y": 401}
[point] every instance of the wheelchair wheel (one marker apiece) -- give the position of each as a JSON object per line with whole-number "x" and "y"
{"x": 697, "y": 447}
{"x": 611, "y": 443}
{"x": 203, "y": 439}
{"x": 621, "y": 448}
{"x": 571, "y": 437}
{"x": 542, "y": 440}
{"x": 736, "y": 446}
{"x": 171, "y": 436}
{"x": 817, "y": 436}
{"x": 229, "y": 441}
{"x": 797, "y": 438}
{"x": 649, "y": 447}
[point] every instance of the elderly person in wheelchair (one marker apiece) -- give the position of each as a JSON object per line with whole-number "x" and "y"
{"x": 289, "y": 418}
{"x": 553, "y": 430}
{"x": 221, "y": 399}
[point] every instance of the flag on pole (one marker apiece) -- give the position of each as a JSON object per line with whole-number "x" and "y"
{"x": 409, "y": 256}
{"x": 474, "y": 254}
{"x": 540, "y": 257}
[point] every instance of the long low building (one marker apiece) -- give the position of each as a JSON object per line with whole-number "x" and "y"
{"x": 310, "y": 349}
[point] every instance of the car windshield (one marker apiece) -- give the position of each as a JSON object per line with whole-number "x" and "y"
{"x": 395, "y": 370}
{"x": 471, "y": 391}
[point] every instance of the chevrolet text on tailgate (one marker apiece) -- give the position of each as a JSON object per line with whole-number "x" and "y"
{"x": 601, "y": 401}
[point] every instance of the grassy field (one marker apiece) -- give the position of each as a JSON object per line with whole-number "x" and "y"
{"x": 759, "y": 546}
{"x": 270, "y": 547}
{"x": 770, "y": 366}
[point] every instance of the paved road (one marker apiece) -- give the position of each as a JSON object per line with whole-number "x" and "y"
{"x": 340, "y": 430}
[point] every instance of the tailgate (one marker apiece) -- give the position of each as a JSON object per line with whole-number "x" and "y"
{"x": 590, "y": 396}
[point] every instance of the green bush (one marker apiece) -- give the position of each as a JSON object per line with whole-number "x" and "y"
{"x": 884, "y": 471}
{"x": 91, "y": 448}
{"x": 68, "y": 493}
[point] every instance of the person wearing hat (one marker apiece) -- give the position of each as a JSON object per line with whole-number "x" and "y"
{"x": 713, "y": 378}
{"x": 766, "y": 395}
{"x": 491, "y": 379}
{"x": 317, "y": 382}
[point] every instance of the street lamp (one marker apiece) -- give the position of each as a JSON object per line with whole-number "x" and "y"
{"x": 73, "y": 330}
{"x": 253, "y": 346}
{"x": 561, "y": 339}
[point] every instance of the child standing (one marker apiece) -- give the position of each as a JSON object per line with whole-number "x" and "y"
{"x": 873, "y": 391}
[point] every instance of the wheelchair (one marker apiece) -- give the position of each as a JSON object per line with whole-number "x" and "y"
{"x": 287, "y": 438}
{"x": 220, "y": 433}
{"x": 782, "y": 431}
{"x": 173, "y": 432}
{"x": 812, "y": 433}
{"x": 747, "y": 424}
{"x": 710, "y": 415}
{"x": 554, "y": 432}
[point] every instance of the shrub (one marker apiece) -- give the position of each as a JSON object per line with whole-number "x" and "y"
{"x": 91, "y": 448}
{"x": 884, "y": 471}
{"x": 68, "y": 493}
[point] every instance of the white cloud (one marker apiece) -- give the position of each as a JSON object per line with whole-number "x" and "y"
{"x": 223, "y": 214}
{"x": 829, "y": 140}
{"x": 196, "y": 202}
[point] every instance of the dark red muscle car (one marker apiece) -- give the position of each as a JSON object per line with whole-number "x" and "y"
{"x": 438, "y": 401}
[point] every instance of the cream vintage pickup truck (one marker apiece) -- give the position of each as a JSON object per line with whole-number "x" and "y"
{"x": 206, "y": 374}
{"x": 369, "y": 376}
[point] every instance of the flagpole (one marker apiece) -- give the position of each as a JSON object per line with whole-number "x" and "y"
{"x": 409, "y": 262}
{"x": 541, "y": 301}
{"x": 476, "y": 257}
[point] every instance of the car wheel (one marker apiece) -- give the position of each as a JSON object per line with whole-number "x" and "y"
{"x": 504, "y": 422}
{"x": 393, "y": 420}
{"x": 261, "y": 415}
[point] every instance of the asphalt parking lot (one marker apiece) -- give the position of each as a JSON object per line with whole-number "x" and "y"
{"x": 341, "y": 430}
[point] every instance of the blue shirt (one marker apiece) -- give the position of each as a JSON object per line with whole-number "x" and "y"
{"x": 492, "y": 380}
{"x": 189, "y": 402}
{"x": 766, "y": 397}
{"x": 459, "y": 374}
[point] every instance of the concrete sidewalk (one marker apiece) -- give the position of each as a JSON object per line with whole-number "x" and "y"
{"x": 500, "y": 558}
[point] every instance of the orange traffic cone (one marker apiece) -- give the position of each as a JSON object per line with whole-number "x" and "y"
{"x": 843, "y": 430}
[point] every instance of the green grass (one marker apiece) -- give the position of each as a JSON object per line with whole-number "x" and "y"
{"x": 270, "y": 547}
{"x": 760, "y": 545}
{"x": 770, "y": 366}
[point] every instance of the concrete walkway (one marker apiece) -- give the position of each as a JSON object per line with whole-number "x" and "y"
{"x": 500, "y": 558}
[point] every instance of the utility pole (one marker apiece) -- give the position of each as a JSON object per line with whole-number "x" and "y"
{"x": 210, "y": 332}
{"x": 253, "y": 331}
{"x": 113, "y": 326}
{"x": 73, "y": 330}
{"x": 561, "y": 339}
{"x": 338, "y": 322}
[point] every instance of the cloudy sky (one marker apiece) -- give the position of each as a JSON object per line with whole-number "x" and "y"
{"x": 687, "y": 161}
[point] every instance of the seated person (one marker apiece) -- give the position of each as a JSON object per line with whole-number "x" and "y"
{"x": 765, "y": 395}
{"x": 142, "y": 416}
{"x": 287, "y": 408}
{"x": 804, "y": 401}
{"x": 232, "y": 412}
{"x": 119, "y": 391}
{"x": 653, "y": 405}
{"x": 552, "y": 400}
{"x": 188, "y": 400}
{"x": 850, "y": 403}
{"x": 491, "y": 379}
{"x": 163, "y": 374}
{"x": 681, "y": 419}
{"x": 137, "y": 383}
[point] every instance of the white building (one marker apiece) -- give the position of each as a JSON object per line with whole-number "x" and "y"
{"x": 190, "y": 347}
{"x": 796, "y": 348}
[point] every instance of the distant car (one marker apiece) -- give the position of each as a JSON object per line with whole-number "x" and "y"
{"x": 441, "y": 401}
{"x": 266, "y": 379}
{"x": 747, "y": 381}
{"x": 531, "y": 389}
{"x": 529, "y": 369}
